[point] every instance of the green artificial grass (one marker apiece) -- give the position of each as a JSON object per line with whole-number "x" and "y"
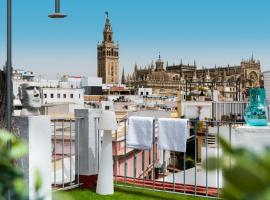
{"x": 122, "y": 193}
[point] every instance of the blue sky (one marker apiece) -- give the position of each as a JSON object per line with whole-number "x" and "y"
{"x": 209, "y": 31}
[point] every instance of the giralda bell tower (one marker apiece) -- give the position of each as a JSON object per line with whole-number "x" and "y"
{"x": 108, "y": 56}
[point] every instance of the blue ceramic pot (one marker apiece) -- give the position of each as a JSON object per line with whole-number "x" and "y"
{"x": 256, "y": 111}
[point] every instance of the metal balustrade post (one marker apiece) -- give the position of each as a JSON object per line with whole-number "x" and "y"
{"x": 54, "y": 153}
{"x": 163, "y": 169}
{"x": 143, "y": 167}
{"x": 98, "y": 146}
{"x": 195, "y": 168}
{"x": 78, "y": 150}
{"x": 154, "y": 159}
{"x": 70, "y": 153}
{"x": 116, "y": 156}
{"x": 206, "y": 171}
{"x": 173, "y": 171}
{"x": 184, "y": 172}
{"x": 63, "y": 155}
{"x": 125, "y": 150}
{"x": 134, "y": 166}
{"x": 230, "y": 142}
{"x": 218, "y": 158}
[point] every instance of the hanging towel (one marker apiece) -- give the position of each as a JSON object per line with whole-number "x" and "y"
{"x": 172, "y": 134}
{"x": 140, "y": 132}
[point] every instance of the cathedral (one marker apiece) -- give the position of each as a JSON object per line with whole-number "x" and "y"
{"x": 171, "y": 77}
{"x": 108, "y": 56}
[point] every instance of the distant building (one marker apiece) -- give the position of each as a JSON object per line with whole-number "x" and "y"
{"x": 92, "y": 85}
{"x": 21, "y": 74}
{"x": 172, "y": 77}
{"x": 144, "y": 91}
{"x": 108, "y": 57}
{"x": 62, "y": 95}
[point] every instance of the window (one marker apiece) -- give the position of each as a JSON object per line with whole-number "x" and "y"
{"x": 79, "y": 96}
{"x": 71, "y": 96}
{"x": 45, "y": 96}
{"x": 65, "y": 96}
{"x": 147, "y": 93}
{"x": 141, "y": 93}
{"x": 58, "y": 96}
{"x": 52, "y": 96}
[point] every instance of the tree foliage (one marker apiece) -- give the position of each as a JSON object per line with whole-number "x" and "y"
{"x": 11, "y": 176}
{"x": 246, "y": 173}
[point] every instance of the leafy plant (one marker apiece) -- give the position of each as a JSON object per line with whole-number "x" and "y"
{"x": 190, "y": 162}
{"x": 246, "y": 174}
{"x": 11, "y": 176}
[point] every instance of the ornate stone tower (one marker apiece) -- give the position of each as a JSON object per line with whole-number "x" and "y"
{"x": 159, "y": 64}
{"x": 108, "y": 56}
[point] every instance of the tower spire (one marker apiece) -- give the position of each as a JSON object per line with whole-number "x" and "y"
{"x": 107, "y": 33}
{"x": 123, "y": 81}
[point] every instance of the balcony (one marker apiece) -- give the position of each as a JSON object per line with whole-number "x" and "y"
{"x": 155, "y": 170}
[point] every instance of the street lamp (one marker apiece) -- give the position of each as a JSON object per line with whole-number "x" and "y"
{"x": 8, "y": 69}
{"x": 9, "y": 92}
{"x": 57, "y": 13}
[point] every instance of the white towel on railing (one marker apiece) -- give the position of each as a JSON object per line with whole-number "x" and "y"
{"x": 172, "y": 134}
{"x": 140, "y": 132}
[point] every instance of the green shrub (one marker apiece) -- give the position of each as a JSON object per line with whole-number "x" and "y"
{"x": 11, "y": 176}
{"x": 246, "y": 174}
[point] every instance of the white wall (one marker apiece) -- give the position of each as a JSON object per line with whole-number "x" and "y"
{"x": 145, "y": 91}
{"x": 91, "y": 81}
{"x": 78, "y": 97}
{"x": 190, "y": 109}
{"x": 62, "y": 109}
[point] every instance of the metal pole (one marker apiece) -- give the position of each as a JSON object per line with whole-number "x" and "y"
{"x": 125, "y": 151}
{"x": 54, "y": 155}
{"x": 206, "y": 162}
{"x": 63, "y": 156}
{"x": 57, "y": 6}
{"x": 9, "y": 67}
{"x": 154, "y": 159}
{"x": 195, "y": 167}
{"x": 9, "y": 74}
{"x": 70, "y": 154}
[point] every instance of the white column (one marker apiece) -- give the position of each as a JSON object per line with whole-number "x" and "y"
{"x": 36, "y": 131}
{"x": 89, "y": 141}
{"x": 105, "y": 174}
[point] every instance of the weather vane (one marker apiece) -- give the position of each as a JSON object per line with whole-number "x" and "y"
{"x": 107, "y": 13}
